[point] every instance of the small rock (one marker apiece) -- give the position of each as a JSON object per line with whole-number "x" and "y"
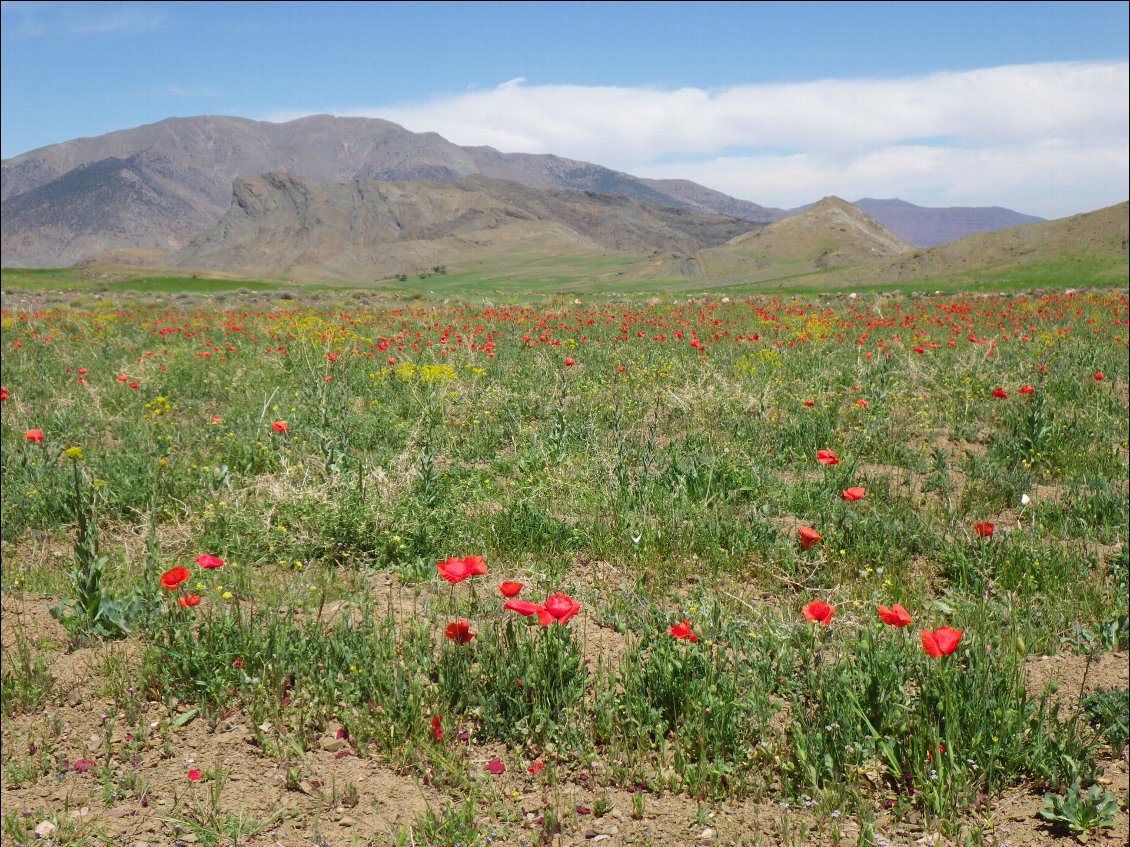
{"x": 600, "y": 837}
{"x": 706, "y": 834}
{"x": 347, "y": 821}
{"x": 331, "y": 744}
{"x": 188, "y": 837}
{"x": 45, "y": 829}
{"x": 74, "y": 698}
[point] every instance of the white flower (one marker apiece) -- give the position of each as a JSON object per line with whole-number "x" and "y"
{"x": 1025, "y": 499}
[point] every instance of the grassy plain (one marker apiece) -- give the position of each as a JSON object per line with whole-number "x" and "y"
{"x": 653, "y": 460}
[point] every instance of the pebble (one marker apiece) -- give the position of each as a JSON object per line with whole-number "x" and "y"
{"x": 706, "y": 834}
{"x": 45, "y": 829}
{"x": 331, "y": 744}
{"x": 600, "y": 837}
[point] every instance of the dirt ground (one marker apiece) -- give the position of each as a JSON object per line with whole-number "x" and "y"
{"x": 301, "y": 798}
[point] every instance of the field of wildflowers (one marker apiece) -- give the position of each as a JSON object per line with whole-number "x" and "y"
{"x": 770, "y": 571}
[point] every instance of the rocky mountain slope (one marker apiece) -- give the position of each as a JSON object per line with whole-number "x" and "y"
{"x": 170, "y": 180}
{"x": 283, "y": 224}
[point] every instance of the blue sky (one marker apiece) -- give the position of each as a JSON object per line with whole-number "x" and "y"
{"x": 1014, "y": 104}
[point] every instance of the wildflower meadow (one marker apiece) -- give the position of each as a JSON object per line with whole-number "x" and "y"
{"x": 339, "y": 570}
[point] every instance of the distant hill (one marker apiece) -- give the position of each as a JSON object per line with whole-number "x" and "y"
{"x": 926, "y": 227}
{"x": 284, "y": 225}
{"x": 159, "y": 185}
{"x": 1099, "y": 236}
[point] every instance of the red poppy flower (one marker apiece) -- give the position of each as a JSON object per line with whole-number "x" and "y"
{"x": 895, "y": 616}
{"x": 536, "y": 767}
{"x": 1000, "y": 393}
{"x": 237, "y": 664}
{"x": 195, "y": 776}
{"x": 280, "y": 426}
{"x": 35, "y": 436}
{"x": 3, "y": 393}
{"x": 455, "y": 570}
{"x": 569, "y": 362}
{"x": 809, "y": 536}
{"x": 217, "y": 419}
{"x": 941, "y": 642}
{"x": 175, "y": 578}
{"x": 460, "y": 631}
{"x": 863, "y": 404}
{"x": 477, "y": 565}
{"x": 437, "y": 727}
{"x": 827, "y": 457}
{"x": 1026, "y": 389}
{"x": 188, "y": 600}
{"x": 510, "y": 589}
{"x": 819, "y": 612}
{"x": 495, "y": 766}
{"x": 523, "y": 607}
{"x": 809, "y": 403}
{"x": 984, "y": 529}
{"x": 854, "y": 493}
{"x": 209, "y": 562}
{"x": 559, "y": 608}
{"x": 1100, "y": 376}
{"x": 682, "y": 632}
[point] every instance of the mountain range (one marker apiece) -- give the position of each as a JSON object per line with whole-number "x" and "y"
{"x": 362, "y": 199}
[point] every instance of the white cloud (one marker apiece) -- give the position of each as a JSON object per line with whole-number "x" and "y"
{"x": 1048, "y": 139}
{"x": 122, "y": 22}
{"x": 27, "y": 20}
{"x": 191, "y": 91}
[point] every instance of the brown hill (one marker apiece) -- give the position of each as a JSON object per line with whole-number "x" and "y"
{"x": 284, "y": 225}
{"x": 170, "y": 180}
{"x": 830, "y": 234}
{"x": 1101, "y": 234}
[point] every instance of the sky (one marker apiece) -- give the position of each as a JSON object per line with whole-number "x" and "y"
{"x": 1015, "y": 104}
